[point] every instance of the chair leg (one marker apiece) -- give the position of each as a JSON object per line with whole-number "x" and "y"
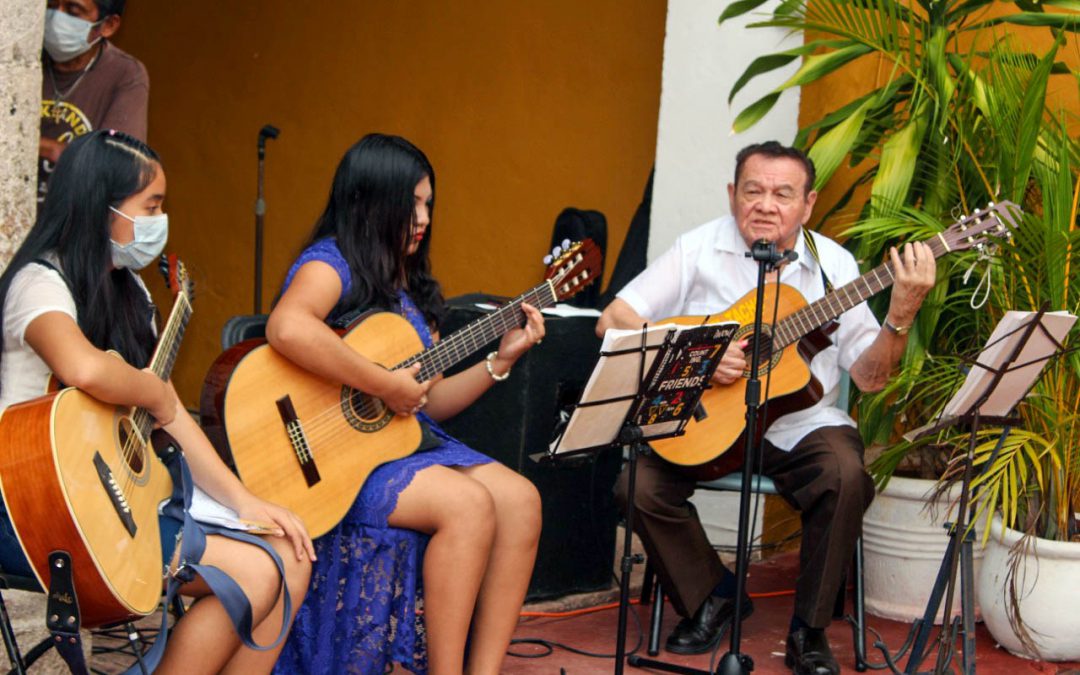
{"x": 647, "y": 582}
{"x": 135, "y": 640}
{"x": 656, "y": 619}
{"x": 9, "y": 640}
{"x": 860, "y": 609}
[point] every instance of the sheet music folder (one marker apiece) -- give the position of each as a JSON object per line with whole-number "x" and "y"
{"x": 1018, "y": 377}
{"x": 678, "y": 362}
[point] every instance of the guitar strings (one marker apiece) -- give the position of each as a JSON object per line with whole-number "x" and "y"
{"x": 459, "y": 344}
{"x": 161, "y": 363}
{"x": 438, "y": 357}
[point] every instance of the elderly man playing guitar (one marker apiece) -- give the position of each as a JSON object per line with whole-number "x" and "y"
{"x": 814, "y": 455}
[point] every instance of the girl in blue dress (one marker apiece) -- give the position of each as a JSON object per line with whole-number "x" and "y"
{"x": 447, "y": 520}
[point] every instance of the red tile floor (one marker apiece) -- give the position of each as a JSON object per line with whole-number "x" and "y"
{"x": 763, "y": 636}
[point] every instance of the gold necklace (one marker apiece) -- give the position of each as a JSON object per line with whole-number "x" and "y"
{"x": 58, "y": 96}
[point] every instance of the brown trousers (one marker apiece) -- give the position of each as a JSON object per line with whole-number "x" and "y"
{"x": 823, "y": 477}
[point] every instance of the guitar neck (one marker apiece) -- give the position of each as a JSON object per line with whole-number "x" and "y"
{"x": 815, "y": 315}
{"x": 477, "y": 334}
{"x": 164, "y": 358}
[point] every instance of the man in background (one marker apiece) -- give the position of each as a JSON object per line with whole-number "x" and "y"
{"x": 87, "y": 82}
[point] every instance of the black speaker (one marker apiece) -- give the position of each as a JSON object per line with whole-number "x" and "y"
{"x": 516, "y": 419}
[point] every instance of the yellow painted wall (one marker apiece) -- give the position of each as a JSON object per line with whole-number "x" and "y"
{"x": 523, "y": 109}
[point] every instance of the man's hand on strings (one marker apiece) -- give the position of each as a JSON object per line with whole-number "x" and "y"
{"x": 732, "y": 363}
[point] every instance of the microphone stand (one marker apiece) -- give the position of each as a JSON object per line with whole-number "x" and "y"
{"x": 271, "y": 132}
{"x": 733, "y": 662}
{"x": 768, "y": 259}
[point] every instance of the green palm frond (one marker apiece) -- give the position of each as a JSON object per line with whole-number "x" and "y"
{"x": 948, "y": 129}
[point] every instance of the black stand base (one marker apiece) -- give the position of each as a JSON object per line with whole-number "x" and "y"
{"x": 735, "y": 664}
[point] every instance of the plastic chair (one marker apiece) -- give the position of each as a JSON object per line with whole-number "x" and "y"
{"x": 243, "y": 327}
{"x": 651, "y": 590}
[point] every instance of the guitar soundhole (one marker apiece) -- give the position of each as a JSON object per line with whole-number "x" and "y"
{"x": 766, "y": 358}
{"x": 131, "y": 448}
{"x": 364, "y": 413}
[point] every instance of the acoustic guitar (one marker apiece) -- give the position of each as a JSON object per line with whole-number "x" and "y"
{"x": 81, "y": 476}
{"x": 309, "y": 443}
{"x": 714, "y": 440}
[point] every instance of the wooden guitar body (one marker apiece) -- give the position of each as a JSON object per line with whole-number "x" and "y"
{"x": 57, "y": 455}
{"x": 309, "y": 443}
{"x": 316, "y": 466}
{"x": 713, "y": 443}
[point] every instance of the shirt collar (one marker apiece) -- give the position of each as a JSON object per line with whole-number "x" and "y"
{"x": 730, "y": 241}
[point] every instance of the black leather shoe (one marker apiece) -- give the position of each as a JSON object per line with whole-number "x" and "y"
{"x": 703, "y": 631}
{"x": 808, "y": 653}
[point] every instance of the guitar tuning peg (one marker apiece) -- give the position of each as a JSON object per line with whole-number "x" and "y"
{"x": 556, "y": 251}
{"x": 565, "y": 244}
{"x": 548, "y": 259}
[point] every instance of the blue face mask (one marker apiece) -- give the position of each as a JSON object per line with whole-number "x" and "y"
{"x": 151, "y": 233}
{"x": 66, "y": 35}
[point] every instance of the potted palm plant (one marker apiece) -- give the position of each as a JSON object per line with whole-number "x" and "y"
{"x": 958, "y": 118}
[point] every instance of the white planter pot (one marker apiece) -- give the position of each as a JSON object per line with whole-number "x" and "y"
{"x": 904, "y": 543}
{"x": 1048, "y": 595}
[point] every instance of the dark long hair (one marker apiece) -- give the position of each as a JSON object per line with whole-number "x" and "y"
{"x": 370, "y": 213}
{"x": 96, "y": 171}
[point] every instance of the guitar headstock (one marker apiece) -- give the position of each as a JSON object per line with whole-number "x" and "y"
{"x": 577, "y": 266}
{"x": 974, "y": 231}
{"x": 176, "y": 276}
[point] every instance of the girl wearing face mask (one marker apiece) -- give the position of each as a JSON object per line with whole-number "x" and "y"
{"x": 70, "y": 293}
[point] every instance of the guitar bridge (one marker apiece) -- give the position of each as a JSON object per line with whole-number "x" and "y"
{"x": 116, "y": 494}
{"x": 298, "y": 440}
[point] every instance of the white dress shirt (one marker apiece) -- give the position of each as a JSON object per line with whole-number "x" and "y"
{"x": 706, "y": 271}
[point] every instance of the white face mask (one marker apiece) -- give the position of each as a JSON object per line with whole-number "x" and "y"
{"x": 151, "y": 233}
{"x": 66, "y": 35}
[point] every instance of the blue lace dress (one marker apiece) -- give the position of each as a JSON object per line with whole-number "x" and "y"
{"x": 360, "y": 612}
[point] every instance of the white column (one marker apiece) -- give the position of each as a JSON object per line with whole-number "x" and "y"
{"x": 695, "y": 149}
{"x": 20, "y": 102}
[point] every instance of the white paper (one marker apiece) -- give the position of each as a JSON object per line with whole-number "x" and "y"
{"x": 1015, "y": 383}
{"x": 206, "y": 509}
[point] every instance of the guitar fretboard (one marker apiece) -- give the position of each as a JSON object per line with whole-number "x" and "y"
{"x": 164, "y": 358}
{"x": 797, "y": 324}
{"x": 478, "y": 333}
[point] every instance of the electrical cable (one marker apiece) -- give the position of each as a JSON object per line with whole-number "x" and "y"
{"x": 551, "y": 645}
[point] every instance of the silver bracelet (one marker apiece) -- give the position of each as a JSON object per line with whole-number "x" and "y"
{"x": 491, "y": 371}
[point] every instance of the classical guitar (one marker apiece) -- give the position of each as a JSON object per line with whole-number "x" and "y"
{"x": 309, "y": 443}
{"x": 714, "y": 440}
{"x": 81, "y": 476}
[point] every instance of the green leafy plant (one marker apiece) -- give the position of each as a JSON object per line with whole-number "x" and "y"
{"x": 961, "y": 119}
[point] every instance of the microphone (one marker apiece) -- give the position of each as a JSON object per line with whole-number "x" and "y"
{"x": 764, "y": 251}
{"x": 268, "y": 131}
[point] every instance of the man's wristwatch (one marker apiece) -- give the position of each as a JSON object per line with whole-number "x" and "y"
{"x": 894, "y": 329}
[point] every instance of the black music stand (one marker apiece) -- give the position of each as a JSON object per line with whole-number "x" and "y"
{"x": 1000, "y": 377}
{"x": 623, "y": 407}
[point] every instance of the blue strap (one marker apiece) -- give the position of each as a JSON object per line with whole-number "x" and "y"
{"x": 223, "y": 586}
